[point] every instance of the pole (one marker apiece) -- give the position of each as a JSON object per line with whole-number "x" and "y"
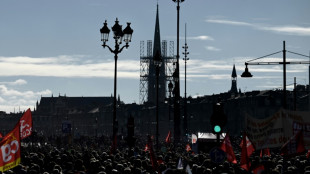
{"x": 284, "y": 76}
{"x": 157, "y": 133}
{"x": 114, "y": 101}
{"x": 185, "y": 97}
{"x": 177, "y": 85}
{"x": 295, "y": 93}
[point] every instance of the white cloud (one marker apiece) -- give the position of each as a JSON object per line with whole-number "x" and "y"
{"x": 211, "y": 48}
{"x": 2, "y": 100}
{"x": 66, "y": 66}
{"x": 220, "y": 21}
{"x": 16, "y": 82}
{"x": 287, "y": 29}
{"x": 200, "y": 38}
{"x": 12, "y": 99}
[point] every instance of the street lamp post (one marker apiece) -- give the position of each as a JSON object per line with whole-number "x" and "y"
{"x": 185, "y": 47}
{"x": 177, "y": 83}
{"x": 119, "y": 34}
{"x": 157, "y": 62}
{"x": 247, "y": 74}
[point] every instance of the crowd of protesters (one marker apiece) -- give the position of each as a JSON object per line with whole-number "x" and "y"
{"x": 56, "y": 155}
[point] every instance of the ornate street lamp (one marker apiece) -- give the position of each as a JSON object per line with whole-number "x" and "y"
{"x": 157, "y": 62}
{"x": 119, "y": 34}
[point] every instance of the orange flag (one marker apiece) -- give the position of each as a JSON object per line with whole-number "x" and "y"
{"x": 25, "y": 124}
{"x": 246, "y": 152}
{"x": 10, "y": 150}
{"x": 227, "y": 148}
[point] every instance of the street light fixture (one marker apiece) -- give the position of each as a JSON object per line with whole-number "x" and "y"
{"x": 118, "y": 36}
{"x": 157, "y": 62}
{"x": 246, "y": 72}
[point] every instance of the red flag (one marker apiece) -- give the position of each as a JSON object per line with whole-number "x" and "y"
{"x": 25, "y": 124}
{"x": 146, "y": 148}
{"x": 227, "y": 147}
{"x": 1, "y": 136}
{"x": 264, "y": 152}
{"x": 10, "y": 150}
{"x": 250, "y": 146}
{"x": 188, "y": 148}
{"x": 152, "y": 155}
{"x": 247, "y": 150}
{"x": 294, "y": 146}
{"x": 308, "y": 153}
{"x": 259, "y": 169}
{"x": 168, "y": 138}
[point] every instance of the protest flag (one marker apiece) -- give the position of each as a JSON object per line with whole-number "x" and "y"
{"x": 168, "y": 138}
{"x": 25, "y": 124}
{"x": 228, "y": 149}
{"x": 146, "y": 148}
{"x": 246, "y": 152}
{"x": 294, "y": 146}
{"x": 188, "y": 169}
{"x": 180, "y": 164}
{"x": 308, "y": 153}
{"x": 264, "y": 152}
{"x": 152, "y": 154}
{"x": 10, "y": 150}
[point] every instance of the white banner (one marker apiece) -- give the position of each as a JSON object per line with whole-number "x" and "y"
{"x": 275, "y": 130}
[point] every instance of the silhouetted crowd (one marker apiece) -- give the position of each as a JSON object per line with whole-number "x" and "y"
{"x": 61, "y": 155}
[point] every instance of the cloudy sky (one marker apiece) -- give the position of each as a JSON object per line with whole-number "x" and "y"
{"x": 53, "y": 47}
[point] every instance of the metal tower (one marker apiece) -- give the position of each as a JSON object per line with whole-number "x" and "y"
{"x": 147, "y": 69}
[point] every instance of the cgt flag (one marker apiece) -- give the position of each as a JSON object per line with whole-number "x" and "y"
{"x": 228, "y": 149}
{"x": 25, "y": 124}
{"x": 247, "y": 149}
{"x": 10, "y": 150}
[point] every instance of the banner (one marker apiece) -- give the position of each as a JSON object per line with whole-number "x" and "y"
{"x": 10, "y": 150}
{"x": 277, "y": 129}
{"x": 25, "y": 124}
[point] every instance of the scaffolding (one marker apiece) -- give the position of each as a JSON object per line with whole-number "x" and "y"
{"x": 145, "y": 61}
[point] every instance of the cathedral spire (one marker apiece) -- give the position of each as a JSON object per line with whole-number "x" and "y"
{"x": 157, "y": 45}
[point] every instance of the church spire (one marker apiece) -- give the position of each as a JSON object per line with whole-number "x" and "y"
{"x": 234, "y": 74}
{"x": 234, "y": 81}
{"x": 157, "y": 45}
